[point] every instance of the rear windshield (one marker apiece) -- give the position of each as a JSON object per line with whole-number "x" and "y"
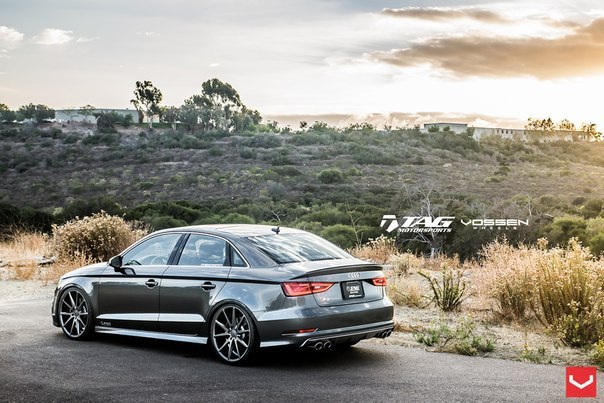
{"x": 290, "y": 248}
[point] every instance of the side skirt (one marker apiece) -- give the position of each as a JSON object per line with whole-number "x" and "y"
{"x": 152, "y": 335}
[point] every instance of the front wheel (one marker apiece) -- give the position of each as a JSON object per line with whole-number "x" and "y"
{"x": 232, "y": 334}
{"x": 75, "y": 314}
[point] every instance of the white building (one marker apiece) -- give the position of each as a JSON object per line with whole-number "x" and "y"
{"x": 512, "y": 134}
{"x": 75, "y": 115}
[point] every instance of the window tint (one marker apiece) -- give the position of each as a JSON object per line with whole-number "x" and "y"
{"x": 302, "y": 247}
{"x": 203, "y": 250}
{"x": 237, "y": 259}
{"x": 153, "y": 251}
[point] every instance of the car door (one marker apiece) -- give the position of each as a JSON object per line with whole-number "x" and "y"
{"x": 129, "y": 298}
{"x": 191, "y": 284}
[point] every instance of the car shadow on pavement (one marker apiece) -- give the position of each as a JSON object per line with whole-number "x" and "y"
{"x": 282, "y": 358}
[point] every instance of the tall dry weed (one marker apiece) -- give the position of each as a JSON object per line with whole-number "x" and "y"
{"x": 561, "y": 287}
{"x": 378, "y": 250}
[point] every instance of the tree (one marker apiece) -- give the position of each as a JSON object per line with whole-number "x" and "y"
{"x": 147, "y": 99}
{"x": 590, "y": 130}
{"x": 220, "y": 103}
{"x": 170, "y": 115}
{"x": 87, "y": 110}
{"x": 566, "y": 124}
{"x": 6, "y": 115}
{"x": 37, "y": 113}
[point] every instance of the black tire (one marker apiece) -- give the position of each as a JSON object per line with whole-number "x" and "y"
{"x": 232, "y": 334}
{"x": 75, "y": 314}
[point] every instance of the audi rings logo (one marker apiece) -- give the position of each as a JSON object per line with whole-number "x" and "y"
{"x": 354, "y": 275}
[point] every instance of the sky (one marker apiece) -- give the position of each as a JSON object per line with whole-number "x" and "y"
{"x": 388, "y": 62}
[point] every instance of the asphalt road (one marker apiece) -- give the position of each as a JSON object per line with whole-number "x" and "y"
{"x": 37, "y": 363}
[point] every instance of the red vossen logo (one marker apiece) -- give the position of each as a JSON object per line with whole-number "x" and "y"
{"x": 581, "y": 381}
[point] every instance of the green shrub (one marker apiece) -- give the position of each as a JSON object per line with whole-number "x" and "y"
{"x": 340, "y": 234}
{"x": 95, "y": 238}
{"x": 331, "y": 176}
{"x": 597, "y": 353}
{"x": 449, "y": 293}
{"x": 463, "y": 339}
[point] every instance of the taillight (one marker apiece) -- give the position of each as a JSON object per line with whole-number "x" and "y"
{"x": 298, "y": 289}
{"x": 379, "y": 281}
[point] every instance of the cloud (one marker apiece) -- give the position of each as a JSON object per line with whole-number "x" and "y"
{"x": 446, "y": 13}
{"x": 10, "y": 35}
{"x": 577, "y": 54}
{"x": 52, "y": 36}
{"x": 83, "y": 39}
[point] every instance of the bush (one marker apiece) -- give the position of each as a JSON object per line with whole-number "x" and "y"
{"x": 449, "y": 293}
{"x": 331, "y": 176}
{"x": 96, "y": 238}
{"x": 597, "y": 354}
{"x": 562, "y": 287}
{"x": 404, "y": 291}
{"x": 463, "y": 339}
{"x": 378, "y": 250}
{"x": 340, "y": 234}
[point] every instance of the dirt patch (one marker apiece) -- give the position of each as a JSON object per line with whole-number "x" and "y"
{"x": 15, "y": 290}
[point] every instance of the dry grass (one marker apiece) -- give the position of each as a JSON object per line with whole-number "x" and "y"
{"x": 561, "y": 287}
{"x": 405, "y": 291}
{"x": 378, "y": 250}
{"x": 97, "y": 238}
{"x": 21, "y": 254}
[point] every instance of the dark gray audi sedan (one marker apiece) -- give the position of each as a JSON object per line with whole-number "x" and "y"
{"x": 236, "y": 287}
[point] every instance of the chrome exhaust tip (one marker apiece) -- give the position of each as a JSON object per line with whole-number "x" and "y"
{"x": 318, "y": 346}
{"x": 327, "y": 345}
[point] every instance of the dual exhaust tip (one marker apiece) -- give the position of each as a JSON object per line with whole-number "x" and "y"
{"x": 383, "y": 334}
{"x": 327, "y": 344}
{"x": 322, "y": 345}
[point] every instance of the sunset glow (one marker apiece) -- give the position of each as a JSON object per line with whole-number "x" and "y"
{"x": 405, "y": 62}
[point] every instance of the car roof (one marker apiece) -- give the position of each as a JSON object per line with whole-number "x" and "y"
{"x": 243, "y": 230}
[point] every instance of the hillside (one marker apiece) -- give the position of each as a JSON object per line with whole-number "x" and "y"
{"x": 311, "y": 179}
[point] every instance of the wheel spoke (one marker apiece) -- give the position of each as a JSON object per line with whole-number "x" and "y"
{"x": 224, "y": 345}
{"x": 230, "y": 349}
{"x": 243, "y": 343}
{"x": 226, "y": 329}
{"x": 221, "y": 334}
{"x": 83, "y": 324}
{"x": 73, "y": 304}
{"x": 72, "y": 326}
{"x": 233, "y": 316}
{"x": 236, "y": 348}
{"x": 226, "y": 317}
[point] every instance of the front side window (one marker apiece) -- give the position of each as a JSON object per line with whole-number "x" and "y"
{"x": 301, "y": 247}
{"x": 203, "y": 250}
{"x": 153, "y": 251}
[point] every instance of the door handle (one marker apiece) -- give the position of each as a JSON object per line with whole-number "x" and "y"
{"x": 151, "y": 283}
{"x": 207, "y": 286}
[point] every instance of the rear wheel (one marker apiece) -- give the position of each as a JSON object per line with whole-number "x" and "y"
{"x": 232, "y": 334}
{"x": 75, "y": 314}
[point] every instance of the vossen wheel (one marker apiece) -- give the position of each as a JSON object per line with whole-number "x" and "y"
{"x": 232, "y": 334}
{"x": 75, "y": 314}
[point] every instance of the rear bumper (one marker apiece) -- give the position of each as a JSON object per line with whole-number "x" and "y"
{"x": 339, "y": 324}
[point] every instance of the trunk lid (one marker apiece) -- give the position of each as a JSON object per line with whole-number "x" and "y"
{"x": 352, "y": 280}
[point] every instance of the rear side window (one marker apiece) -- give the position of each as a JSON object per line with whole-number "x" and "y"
{"x": 204, "y": 250}
{"x": 301, "y": 247}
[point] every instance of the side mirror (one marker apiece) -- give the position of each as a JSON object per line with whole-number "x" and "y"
{"x": 116, "y": 262}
